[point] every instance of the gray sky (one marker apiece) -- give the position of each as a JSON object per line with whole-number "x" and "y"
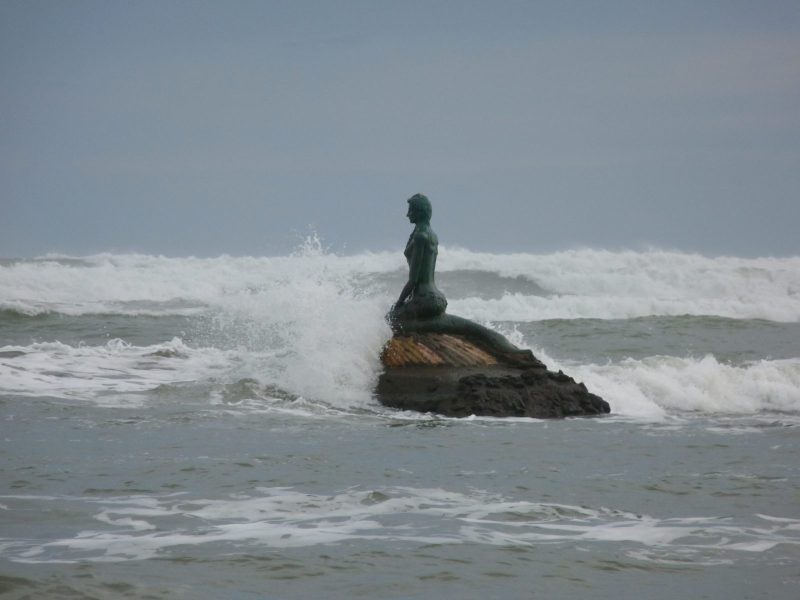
{"x": 231, "y": 127}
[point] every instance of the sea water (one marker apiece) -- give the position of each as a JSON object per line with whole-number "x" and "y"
{"x": 205, "y": 428}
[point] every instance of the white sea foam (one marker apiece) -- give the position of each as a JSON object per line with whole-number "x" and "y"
{"x": 152, "y": 285}
{"x": 142, "y": 527}
{"x": 654, "y": 387}
{"x": 340, "y": 369}
{"x": 312, "y": 334}
{"x": 323, "y": 334}
{"x": 581, "y": 283}
{"x": 299, "y": 323}
{"x": 117, "y": 374}
{"x": 602, "y": 284}
{"x": 110, "y": 372}
{"x": 520, "y": 307}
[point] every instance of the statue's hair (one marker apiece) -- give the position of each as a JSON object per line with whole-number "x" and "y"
{"x": 421, "y": 202}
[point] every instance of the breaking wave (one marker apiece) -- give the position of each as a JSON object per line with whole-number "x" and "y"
{"x": 566, "y": 285}
{"x": 116, "y": 373}
{"x": 654, "y": 387}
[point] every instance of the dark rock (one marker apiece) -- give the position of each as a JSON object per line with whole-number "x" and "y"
{"x": 421, "y": 374}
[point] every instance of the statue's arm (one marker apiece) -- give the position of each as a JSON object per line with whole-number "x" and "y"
{"x": 414, "y": 267}
{"x": 404, "y": 293}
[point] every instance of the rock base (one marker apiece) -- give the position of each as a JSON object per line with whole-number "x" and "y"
{"x": 456, "y": 376}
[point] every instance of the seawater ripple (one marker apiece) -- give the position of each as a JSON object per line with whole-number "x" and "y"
{"x": 142, "y": 527}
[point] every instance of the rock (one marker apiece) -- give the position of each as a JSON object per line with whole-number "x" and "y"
{"x": 459, "y": 375}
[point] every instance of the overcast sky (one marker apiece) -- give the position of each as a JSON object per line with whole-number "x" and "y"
{"x": 203, "y": 128}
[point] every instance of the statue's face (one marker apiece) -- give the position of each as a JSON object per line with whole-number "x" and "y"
{"x": 416, "y": 213}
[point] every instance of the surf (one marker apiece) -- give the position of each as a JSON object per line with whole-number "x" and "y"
{"x": 567, "y": 285}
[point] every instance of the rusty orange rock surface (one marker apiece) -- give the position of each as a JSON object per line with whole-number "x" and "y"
{"x": 434, "y": 350}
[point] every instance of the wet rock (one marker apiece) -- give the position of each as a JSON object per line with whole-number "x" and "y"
{"x": 456, "y": 376}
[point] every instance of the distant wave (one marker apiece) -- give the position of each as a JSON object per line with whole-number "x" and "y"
{"x": 489, "y": 287}
{"x": 602, "y": 284}
{"x": 519, "y": 307}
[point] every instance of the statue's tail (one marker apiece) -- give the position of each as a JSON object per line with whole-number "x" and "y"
{"x": 483, "y": 336}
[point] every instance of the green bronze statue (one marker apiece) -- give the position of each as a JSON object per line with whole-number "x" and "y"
{"x": 420, "y": 298}
{"x": 420, "y": 307}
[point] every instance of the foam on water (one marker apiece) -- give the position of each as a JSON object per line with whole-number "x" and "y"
{"x": 653, "y": 387}
{"x": 119, "y": 374}
{"x": 143, "y": 527}
{"x": 320, "y": 367}
{"x": 520, "y": 307}
{"x": 602, "y": 284}
{"x": 107, "y": 373}
{"x": 300, "y": 324}
{"x": 151, "y": 285}
{"x": 579, "y": 284}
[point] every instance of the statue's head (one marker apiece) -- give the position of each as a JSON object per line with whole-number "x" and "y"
{"x": 419, "y": 209}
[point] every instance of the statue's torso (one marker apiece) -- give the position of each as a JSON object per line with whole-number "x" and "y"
{"x": 426, "y": 242}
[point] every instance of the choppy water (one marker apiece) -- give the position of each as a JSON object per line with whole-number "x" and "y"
{"x": 204, "y": 428}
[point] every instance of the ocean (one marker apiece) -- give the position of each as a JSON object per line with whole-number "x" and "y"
{"x": 204, "y": 428}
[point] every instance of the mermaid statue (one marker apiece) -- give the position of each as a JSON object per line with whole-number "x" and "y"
{"x": 420, "y": 298}
{"x": 421, "y": 306}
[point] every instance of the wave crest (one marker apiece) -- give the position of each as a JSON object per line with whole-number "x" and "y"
{"x": 575, "y": 284}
